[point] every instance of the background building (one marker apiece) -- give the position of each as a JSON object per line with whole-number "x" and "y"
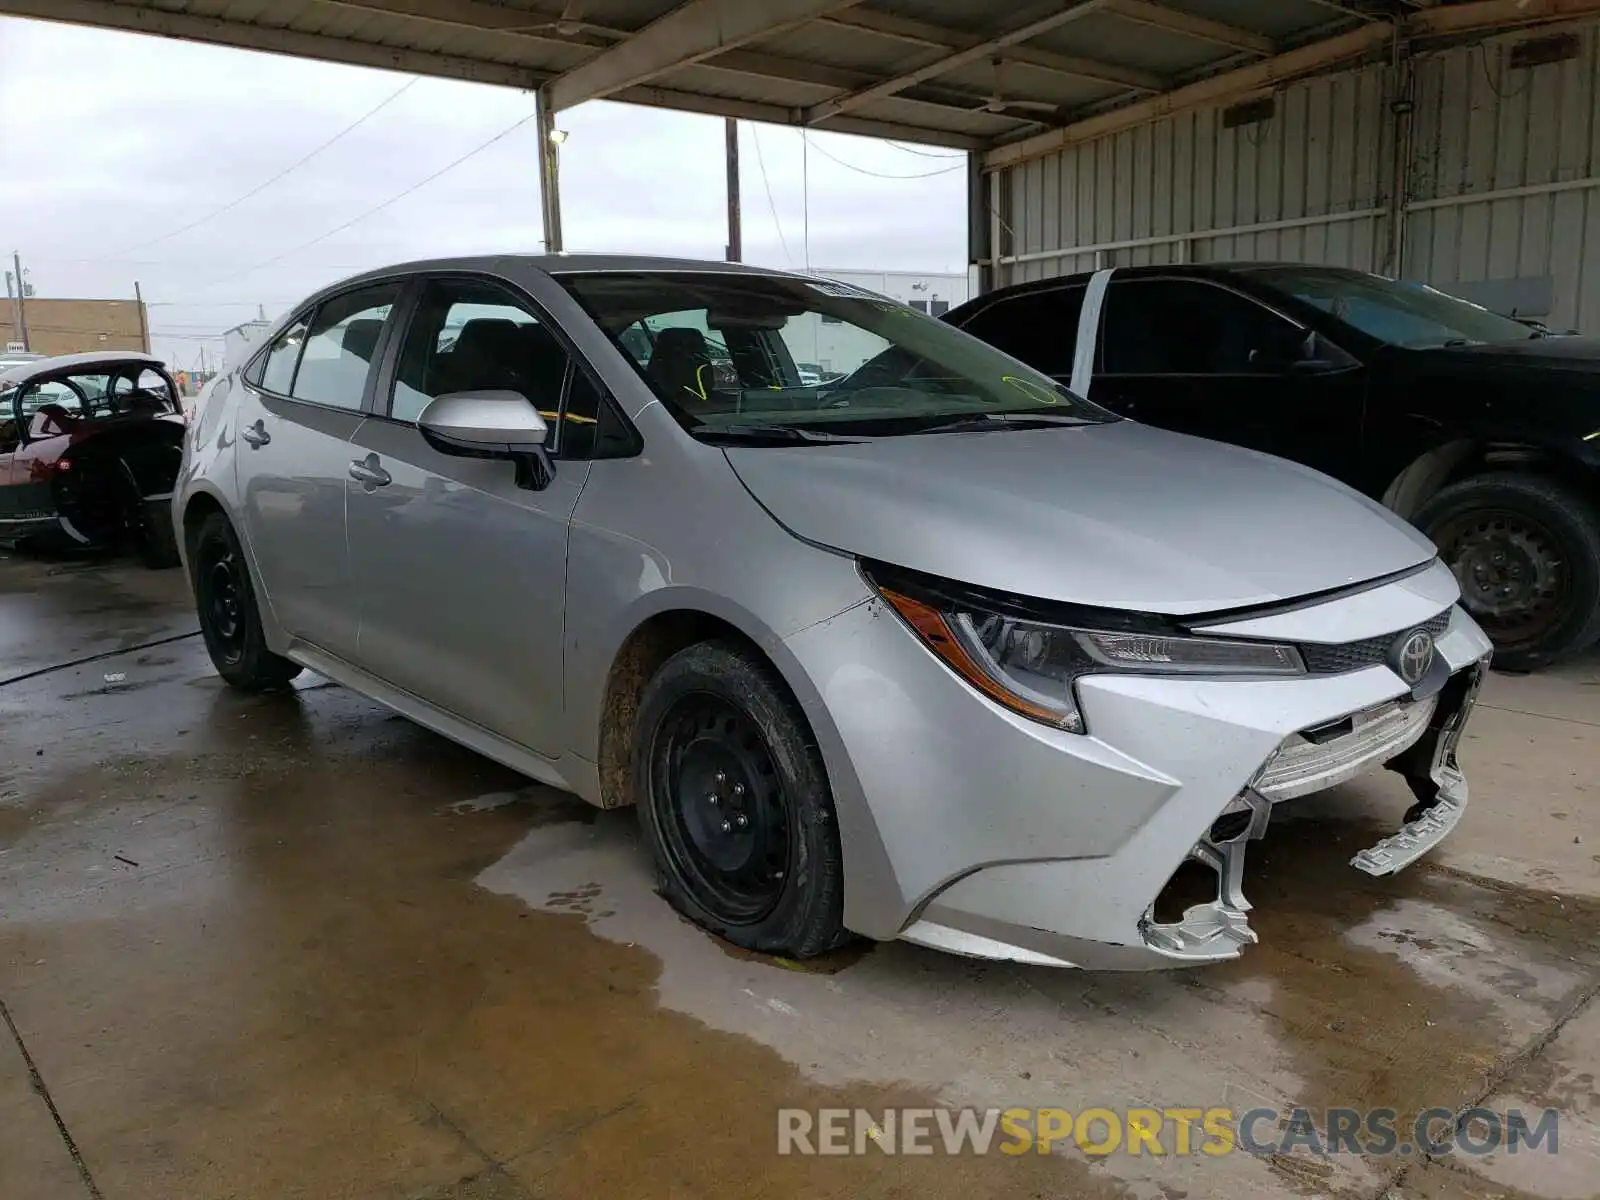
{"x": 835, "y": 346}
{"x": 74, "y": 326}
{"x": 1475, "y": 168}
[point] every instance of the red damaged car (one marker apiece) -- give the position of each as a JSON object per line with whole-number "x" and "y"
{"x": 90, "y": 446}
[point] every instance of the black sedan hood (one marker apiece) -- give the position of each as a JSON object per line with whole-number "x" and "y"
{"x": 1557, "y": 355}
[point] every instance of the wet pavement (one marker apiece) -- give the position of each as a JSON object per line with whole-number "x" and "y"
{"x": 295, "y": 946}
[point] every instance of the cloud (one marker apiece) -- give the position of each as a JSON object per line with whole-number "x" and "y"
{"x": 109, "y": 140}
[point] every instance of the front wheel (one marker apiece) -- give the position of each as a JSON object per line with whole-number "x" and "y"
{"x": 229, "y": 621}
{"x": 735, "y": 806}
{"x": 1526, "y": 552}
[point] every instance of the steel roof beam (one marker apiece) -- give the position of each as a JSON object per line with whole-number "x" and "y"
{"x": 920, "y": 33}
{"x": 695, "y": 30}
{"x": 1170, "y": 20}
{"x": 777, "y": 114}
{"x": 1219, "y": 89}
{"x": 1047, "y": 16}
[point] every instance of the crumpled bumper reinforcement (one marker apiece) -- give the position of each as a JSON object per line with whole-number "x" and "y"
{"x": 1426, "y": 757}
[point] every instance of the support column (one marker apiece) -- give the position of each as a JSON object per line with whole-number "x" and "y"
{"x": 1398, "y": 169}
{"x": 549, "y": 174}
{"x": 735, "y": 232}
{"x": 980, "y": 242}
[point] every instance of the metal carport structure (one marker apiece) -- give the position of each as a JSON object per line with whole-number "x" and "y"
{"x": 1017, "y": 85}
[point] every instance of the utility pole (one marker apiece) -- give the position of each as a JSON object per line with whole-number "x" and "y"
{"x": 20, "y": 307}
{"x": 735, "y": 235}
{"x": 144, "y": 321}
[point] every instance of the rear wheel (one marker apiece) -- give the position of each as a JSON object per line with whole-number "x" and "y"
{"x": 229, "y": 621}
{"x": 735, "y": 804}
{"x": 1526, "y": 552}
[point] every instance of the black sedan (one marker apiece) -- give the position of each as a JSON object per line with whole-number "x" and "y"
{"x": 1481, "y": 430}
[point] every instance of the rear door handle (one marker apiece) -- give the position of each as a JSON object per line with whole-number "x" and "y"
{"x": 256, "y": 434}
{"x": 367, "y": 471}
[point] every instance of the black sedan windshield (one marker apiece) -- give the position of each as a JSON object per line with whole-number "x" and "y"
{"x": 1412, "y": 315}
{"x": 724, "y": 349}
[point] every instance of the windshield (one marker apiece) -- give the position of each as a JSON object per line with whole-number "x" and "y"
{"x": 1412, "y": 315}
{"x": 726, "y": 350}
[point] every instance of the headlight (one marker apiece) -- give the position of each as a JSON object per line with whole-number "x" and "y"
{"x": 1032, "y": 666}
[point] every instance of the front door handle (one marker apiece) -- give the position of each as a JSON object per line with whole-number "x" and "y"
{"x": 256, "y": 434}
{"x": 366, "y": 470}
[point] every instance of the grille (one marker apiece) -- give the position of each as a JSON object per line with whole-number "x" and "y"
{"x": 1352, "y": 656}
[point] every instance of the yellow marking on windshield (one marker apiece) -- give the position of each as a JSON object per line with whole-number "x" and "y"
{"x": 1032, "y": 390}
{"x": 573, "y": 417}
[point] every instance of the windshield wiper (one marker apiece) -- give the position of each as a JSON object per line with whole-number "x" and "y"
{"x": 967, "y": 422}
{"x": 770, "y": 435}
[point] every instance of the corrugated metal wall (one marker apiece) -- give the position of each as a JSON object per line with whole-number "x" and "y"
{"x": 1483, "y": 128}
{"x": 1311, "y": 184}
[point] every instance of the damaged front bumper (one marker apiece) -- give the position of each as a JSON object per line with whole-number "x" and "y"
{"x": 978, "y": 831}
{"x": 1417, "y": 738}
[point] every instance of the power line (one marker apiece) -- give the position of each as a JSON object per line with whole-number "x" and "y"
{"x": 290, "y": 169}
{"x": 376, "y": 208}
{"x": 882, "y": 174}
{"x": 926, "y": 153}
{"x": 755, "y": 135}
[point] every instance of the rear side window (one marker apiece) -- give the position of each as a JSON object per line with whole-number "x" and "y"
{"x": 340, "y": 345}
{"x": 1040, "y": 328}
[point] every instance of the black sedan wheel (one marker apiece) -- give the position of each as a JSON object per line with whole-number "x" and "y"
{"x": 735, "y": 806}
{"x": 1526, "y": 552}
{"x": 227, "y": 606}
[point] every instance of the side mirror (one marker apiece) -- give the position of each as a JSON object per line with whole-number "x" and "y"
{"x": 1292, "y": 353}
{"x": 491, "y": 424}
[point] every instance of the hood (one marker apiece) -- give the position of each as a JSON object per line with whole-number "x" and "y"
{"x": 1566, "y": 355}
{"x": 1116, "y": 516}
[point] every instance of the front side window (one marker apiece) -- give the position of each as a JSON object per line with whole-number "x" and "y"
{"x": 339, "y": 347}
{"x": 1040, "y": 328}
{"x": 1183, "y": 327}
{"x": 1412, "y": 315}
{"x": 741, "y": 349}
{"x": 472, "y": 336}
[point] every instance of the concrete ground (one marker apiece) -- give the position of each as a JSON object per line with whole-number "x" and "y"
{"x": 294, "y": 946}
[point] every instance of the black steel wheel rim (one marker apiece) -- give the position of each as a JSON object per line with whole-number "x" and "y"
{"x": 725, "y": 822}
{"x": 1513, "y": 573}
{"x": 222, "y": 600}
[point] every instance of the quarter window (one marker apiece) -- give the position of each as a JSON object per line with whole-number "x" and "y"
{"x": 339, "y": 347}
{"x": 1179, "y": 327}
{"x": 277, "y": 373}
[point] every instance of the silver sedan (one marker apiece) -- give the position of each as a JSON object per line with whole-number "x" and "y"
{"x": 927, "y": 647}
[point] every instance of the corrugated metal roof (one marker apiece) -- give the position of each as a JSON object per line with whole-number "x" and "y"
{"x": 1014, "y": 79}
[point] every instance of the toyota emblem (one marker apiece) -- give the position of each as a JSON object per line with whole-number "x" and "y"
{"x": 1413, "y": 655}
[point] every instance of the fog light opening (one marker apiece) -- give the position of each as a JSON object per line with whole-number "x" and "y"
{"x": 1193, "y": 883}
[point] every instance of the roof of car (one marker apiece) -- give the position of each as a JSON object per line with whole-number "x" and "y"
{"x": 567, "y": 264}
{"x": 81, "y": 363}
{"x": 1194, "y": 270}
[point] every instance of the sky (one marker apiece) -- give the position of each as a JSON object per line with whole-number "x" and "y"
{"x": 113, "y": 145}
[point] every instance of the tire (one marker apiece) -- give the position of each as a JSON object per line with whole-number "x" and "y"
{"x": 229, "y": 620}
{"x": 154, "y": 535}
{"x": 716, "y": 719}
{"x": 1526, "y": 550}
